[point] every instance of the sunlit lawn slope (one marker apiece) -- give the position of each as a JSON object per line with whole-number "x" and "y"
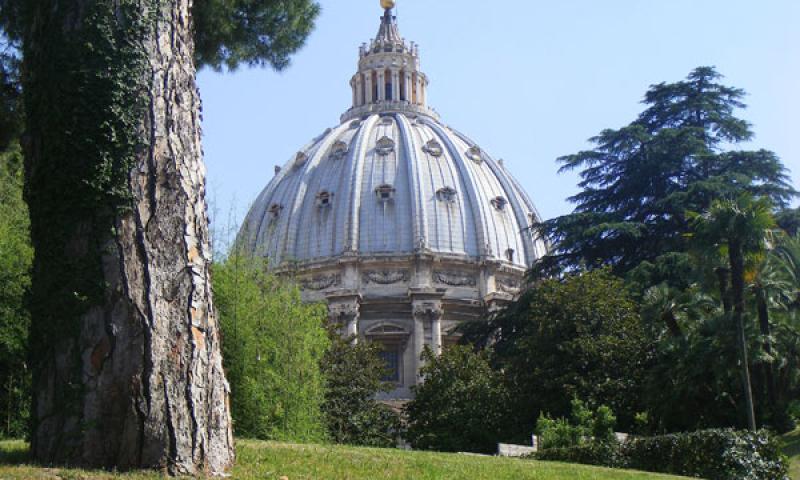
{"x": 791, "y": 447}
{"x": 271, "y": 460}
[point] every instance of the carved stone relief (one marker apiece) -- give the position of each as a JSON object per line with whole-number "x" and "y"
{"x": 508, "y": 285}
{"x": 385, "y": 277}
{"x": 455, "y": 279}
{"x": 321, "y": 282}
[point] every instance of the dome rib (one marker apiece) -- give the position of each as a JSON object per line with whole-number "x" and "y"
{"x": 418, "y": 211}
{"x": 478, "y": 210}
{"x": 512, "y": 195}
{"x": 352, "y": 242}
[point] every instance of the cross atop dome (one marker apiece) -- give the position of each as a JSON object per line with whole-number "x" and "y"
{"x": 389, "y": 77}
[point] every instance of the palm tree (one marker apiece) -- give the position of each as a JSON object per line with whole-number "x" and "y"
{"x": 737, "y": 227}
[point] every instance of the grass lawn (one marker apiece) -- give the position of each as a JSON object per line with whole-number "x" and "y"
{"x": 271, "y": 460}
{"x": 791, "y": 447}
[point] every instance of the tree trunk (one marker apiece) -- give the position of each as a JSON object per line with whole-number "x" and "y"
{"x": 736, "y": 259}
{"x": 127, "y": 369}
{"x": 724, "y": 293}
{"x": 764, "y": 327}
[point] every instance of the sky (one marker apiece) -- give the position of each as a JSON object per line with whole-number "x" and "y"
{"x": 529, "y": 81}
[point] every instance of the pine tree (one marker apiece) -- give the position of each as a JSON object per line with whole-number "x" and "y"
{"x": 639, "y": 181}
{"x": 125, "y": 347}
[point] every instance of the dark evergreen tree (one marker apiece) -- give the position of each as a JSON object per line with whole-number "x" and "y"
{"x": 639, "y": 181}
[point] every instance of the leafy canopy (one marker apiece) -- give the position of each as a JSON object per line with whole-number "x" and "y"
{"x": 640, "y": 180}
{"x": 272, "y": 347}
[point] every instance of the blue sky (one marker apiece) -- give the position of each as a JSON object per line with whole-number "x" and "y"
{"x": 528, "y": 80}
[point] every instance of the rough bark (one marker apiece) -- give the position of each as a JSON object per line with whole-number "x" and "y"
{"x": 126, "y": 354}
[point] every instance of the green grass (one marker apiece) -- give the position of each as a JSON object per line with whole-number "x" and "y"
{"x": 271, "y": 460}
{"x": 791, "y": 447}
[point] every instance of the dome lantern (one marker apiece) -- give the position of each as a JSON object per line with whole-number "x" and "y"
{"x": 389, "y": 75}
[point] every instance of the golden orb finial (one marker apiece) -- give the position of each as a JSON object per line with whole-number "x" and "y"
{"x": 387, "y": 4}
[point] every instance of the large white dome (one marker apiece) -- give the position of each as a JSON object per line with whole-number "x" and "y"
{"x": 404, "y": 226}
{"x": 389, "y": 184}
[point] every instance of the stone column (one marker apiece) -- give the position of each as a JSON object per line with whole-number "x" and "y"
{"x": 426, "y": 310}
{"x": 359, "y": 90}
{"x": 368, "y": 87}
{"x": 381, "y": 85}
{"x": 344, "y": 310}
{"x": 396, "y": 85}
{"x": 407, "y": 87}
{"x": 418, "y": 85}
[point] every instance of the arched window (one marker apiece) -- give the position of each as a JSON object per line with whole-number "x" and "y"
{"x": 387, "y": 80}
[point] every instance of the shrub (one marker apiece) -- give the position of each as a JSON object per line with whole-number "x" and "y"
{"x": 461, "y": 405}
{"x": 711, "y": 454}
{"x": 584, "y": 426}
{"x": 353, "y": 375}
{"x": 604, "y": 454}
{"x": 272, "y": 345}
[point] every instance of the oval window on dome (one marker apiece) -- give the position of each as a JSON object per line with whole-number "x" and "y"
{"x": 499, "y": 203}
{"x": 475, "y": 154}
{"x": 385, "y": 193}
{"x": 433, "y": 148}
{"x": 387, "y": 120}
{"x": 446, "y": 194}
{"x": 275, "y": 211}
{"x": 338, "y": 150}
{"x": 385, "y": 146}
{"x": 324, "y": 199}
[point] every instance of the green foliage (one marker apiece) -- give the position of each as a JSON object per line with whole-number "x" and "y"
{"x": 353, "y": 375}
{"x": 251, "y": 32}
{"x": 461, "y": 405}
{"x": 583, "y": 426}
{"x": 272, "y": 347}
{"x": 581, "y": 337}
{"x": 16, "y": 255}
{"x": 638, "y": 181}
{"x": 712, "y": 454}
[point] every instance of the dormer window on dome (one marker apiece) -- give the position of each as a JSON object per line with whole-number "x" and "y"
{"x": 324, "y": 199}
{"x": 475, "y": 154}
{"x": 300, "y": 159}
{"x": 433, "y": 148}
{"x": 338, "y": 150}
{"x": 446, "y": 194}
{"x": 275, "y": 211}
{"x": 385, "y": 146}
{"x": 499, "y": 203}
{"x": 385, "y": 193}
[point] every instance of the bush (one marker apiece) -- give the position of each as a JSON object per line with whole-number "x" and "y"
{"x": 353, "y": 374}
{"x": 461, "y": 405}
{"x": 584, "y": 426}
{"x": 272, "y": 347}
{"x": 604, "y": 454}
{"x": 711, "y": 454}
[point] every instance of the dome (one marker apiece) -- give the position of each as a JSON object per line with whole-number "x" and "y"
{"x": 405, "y": 226}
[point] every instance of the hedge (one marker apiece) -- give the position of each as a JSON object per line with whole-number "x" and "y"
{"x": 722, "y": 454}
